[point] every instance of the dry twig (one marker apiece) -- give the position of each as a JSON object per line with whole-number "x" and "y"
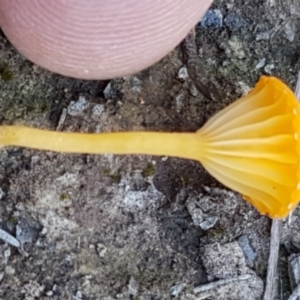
{"x": 215, "y": 284}
{"x": 273, "y": 260}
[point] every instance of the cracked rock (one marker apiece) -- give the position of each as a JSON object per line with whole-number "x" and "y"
{"x": 204, "y": 221}
{"x": 223, "y": 261}
{"x": 77, "y": 108}
{"x": 212, "y": 19}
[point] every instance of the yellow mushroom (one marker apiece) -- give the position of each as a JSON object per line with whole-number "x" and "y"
{"x": 251, "y": 146}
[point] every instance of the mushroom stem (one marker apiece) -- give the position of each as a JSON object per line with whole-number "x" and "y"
{"x": 252, "y": 146}
{"x": 183, "y": 145}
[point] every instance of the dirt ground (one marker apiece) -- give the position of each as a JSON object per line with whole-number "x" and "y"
{"x": 139, "y": 227}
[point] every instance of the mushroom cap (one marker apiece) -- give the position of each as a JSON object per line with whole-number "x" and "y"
{"x": 252, "y": 146}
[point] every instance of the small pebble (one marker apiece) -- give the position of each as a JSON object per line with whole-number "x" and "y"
{"x": 7, "y": 254}
{"x": 10, "y": 270}
{"x": 1, "y": 194}
{"x": 268, "y": 68}
{"x": 78, "y": 296}
{"x": 177, "y": 289}
{"x": 25, "y": 232}
{"x": 136, "y": 85}
{"x": 6, "y": 237}
{"x": 133, "y": 287}
{"x": 110, "y": 92}
{"x": 179, "y": 102}
{"x": 290, "y": 30}
{"x": 101, "y": 249}
{"x": 260, "y": 64}
{"x": 193, "y": 91}
{"x": 263, "y": 35}
{"x": 98, "y": 109}
{"x": 245, "y": 89}
{"x": 249, "y": 253}
{"x": 44, "y": 231}
{"x": 183, "y": 73}
{"x": 212, "y": 19}
{"x": 209, "y": 222}
{"x": 35, "y": 159}
{"x": 201, "y": 219}
{"x": 49, "y": 293}
{"x": 233, "y": 21}
{"x": 77, "y": 108}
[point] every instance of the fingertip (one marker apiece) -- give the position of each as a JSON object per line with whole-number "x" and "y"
{"x": 98, "y": 39}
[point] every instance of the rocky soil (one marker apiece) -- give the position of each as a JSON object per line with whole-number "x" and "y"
{"x": 139, "y": 227}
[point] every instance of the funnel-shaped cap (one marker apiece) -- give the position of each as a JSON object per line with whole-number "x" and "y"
{"x": 252, "y": 146}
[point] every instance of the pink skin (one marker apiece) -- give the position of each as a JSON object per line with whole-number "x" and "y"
{"x": 98, "y": 39}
